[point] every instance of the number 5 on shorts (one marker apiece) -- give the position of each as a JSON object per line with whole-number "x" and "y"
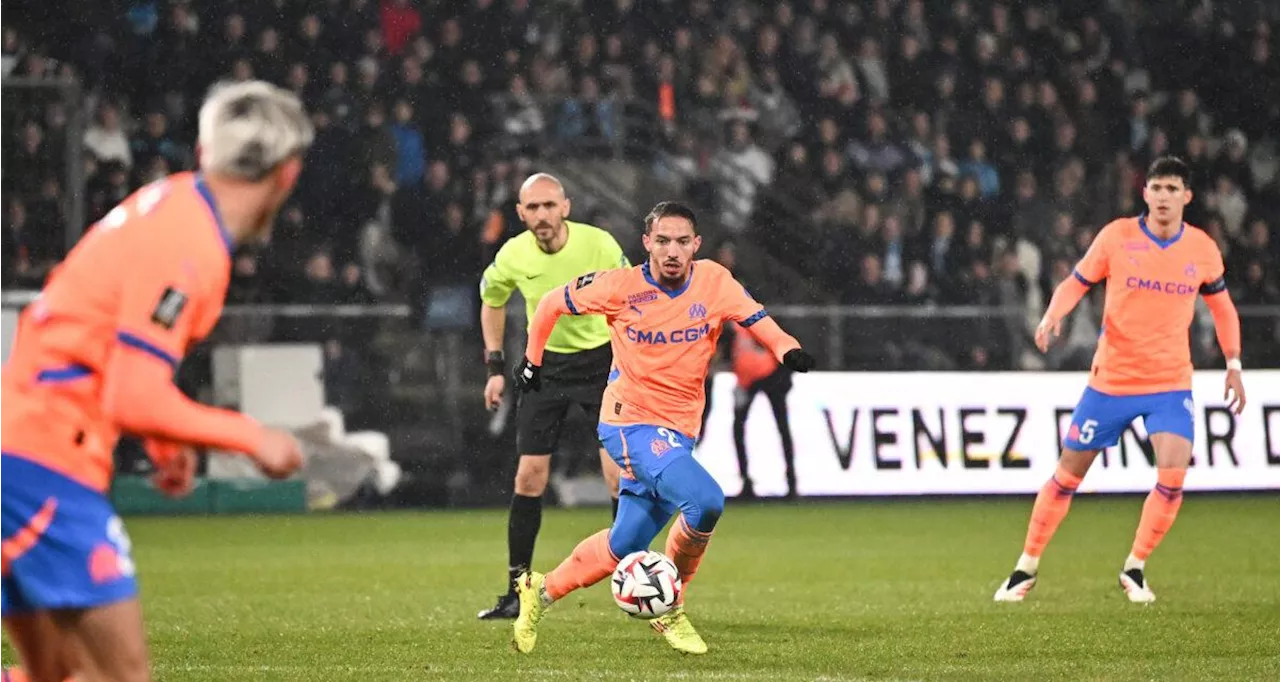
{"x": 1087, "y": 430}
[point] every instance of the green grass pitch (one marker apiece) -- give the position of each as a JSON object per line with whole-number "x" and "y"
{"x": 896, "y": 589}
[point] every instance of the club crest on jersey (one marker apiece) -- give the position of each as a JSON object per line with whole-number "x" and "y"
{"x": 1190, "y": 271}
{"x": 697, "y": 311}
{"x": 659, "y": 447}
{"x": 585, "y": 280}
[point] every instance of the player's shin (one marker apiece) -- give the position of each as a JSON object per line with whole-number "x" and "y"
{"x": 590, "y": 562}
{"x": 523, "y": 523}
{"x": 1052, "y": 504}
{"x": 685, "y": 547}
{"x": 701, "y": 503}
{"x": 1158, "y": 514}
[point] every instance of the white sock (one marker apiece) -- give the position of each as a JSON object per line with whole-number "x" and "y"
{"x": 1028, "y": 564}
{"x": 1133, "y": 562}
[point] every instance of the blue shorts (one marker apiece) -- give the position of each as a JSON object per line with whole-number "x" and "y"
{"x": 643, "y": 451}
{"x": 64, "y": 546}
{"x": 1100, "y": 419}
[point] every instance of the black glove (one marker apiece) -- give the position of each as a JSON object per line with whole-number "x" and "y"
{"x": 798, "y": 360}
{"x": 528, "y": 376}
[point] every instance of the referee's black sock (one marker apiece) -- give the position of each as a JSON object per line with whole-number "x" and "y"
{"x": 522, "y": 532}
{"x": 615, "y": 508}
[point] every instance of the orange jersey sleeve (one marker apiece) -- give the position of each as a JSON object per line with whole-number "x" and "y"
{"x": 589, "y": 294}
{"x": 740, "y": 307}
{"x": 1226, "y": 321}
{"x": 1095, "y": 266}
{"x": 1152, "y": 286}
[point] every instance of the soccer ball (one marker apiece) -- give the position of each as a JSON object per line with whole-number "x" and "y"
{"x": 646, "y": 585}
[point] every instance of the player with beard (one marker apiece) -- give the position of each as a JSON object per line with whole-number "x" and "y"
{"x": 552, "y": 251}
{"x": 664, "y": 318}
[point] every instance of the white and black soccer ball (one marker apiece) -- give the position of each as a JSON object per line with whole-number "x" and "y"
{"x": 646, "y": 585}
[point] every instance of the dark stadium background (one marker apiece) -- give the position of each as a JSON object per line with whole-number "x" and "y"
{"x": 934, "y": 167}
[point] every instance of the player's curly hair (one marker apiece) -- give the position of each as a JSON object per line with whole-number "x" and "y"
{"x": 670, "y": 209}
{"x": 1170, "y": 167}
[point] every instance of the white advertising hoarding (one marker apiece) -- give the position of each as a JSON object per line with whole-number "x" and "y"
{"x": 868, "y": 433}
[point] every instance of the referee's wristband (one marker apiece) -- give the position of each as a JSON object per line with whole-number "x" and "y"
{"x": 496, "y": 363}
{"x": 1234, "y": 363}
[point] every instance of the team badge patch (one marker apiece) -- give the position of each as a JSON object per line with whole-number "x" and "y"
{"x": 169, "y": 308}
{"x": 585, "y": 280}
{"x": 659, "y": 447}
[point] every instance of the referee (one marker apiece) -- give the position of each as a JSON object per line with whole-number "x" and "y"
{"x": 551, "y": 253}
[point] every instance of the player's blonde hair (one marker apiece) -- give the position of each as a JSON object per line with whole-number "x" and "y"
{"x": 249, "y": 128}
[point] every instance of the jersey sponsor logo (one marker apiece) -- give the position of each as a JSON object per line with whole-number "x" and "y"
{"x": 584, "y": 280}
{"x": 1140, "y": 245}
{"x": 1171, "y": 288}
{"x": 688, "y": 335}
{"x": 169, "y": 308}
{"x": 642, "y": 297}
{"x": 697, "y": 311}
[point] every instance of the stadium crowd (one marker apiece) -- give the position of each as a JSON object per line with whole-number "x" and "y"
{"x": 892, "y": 151}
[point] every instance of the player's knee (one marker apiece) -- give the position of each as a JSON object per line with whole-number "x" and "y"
{"x": 624, "y": 541}
{"x": 532, "y": 474}
{"x": 705, "y": 508}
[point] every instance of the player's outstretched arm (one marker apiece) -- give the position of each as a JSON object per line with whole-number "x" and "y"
{"x": 550, "y": 308}
{"x": 140, "y": 397}
{"x": 749, "y": 315}
{"x": 1093, "y": 268}
{"x": 590, "y": 294}
{"x": 163, "y": 302}
{"x": 783, "y": 346}
{"x": 1226, "y": 322}
{"x": 1065, "y": 298}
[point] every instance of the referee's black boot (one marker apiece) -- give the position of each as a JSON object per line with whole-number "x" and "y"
{"x": 507, "y": 608}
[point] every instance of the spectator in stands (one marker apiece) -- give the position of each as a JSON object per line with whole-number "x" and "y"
{"x": 411, "y": 153}
{"x": 740, "y": 168}
{"x": 106, "y": 139}
{"x": 154, "y": 141}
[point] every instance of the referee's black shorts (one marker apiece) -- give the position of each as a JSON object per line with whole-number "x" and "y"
{"x": 568, "y": 379}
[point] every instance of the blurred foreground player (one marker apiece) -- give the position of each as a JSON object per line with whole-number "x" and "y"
{"x": 551, "y": 252}
{"x": 94, "y": 357}
{"x": 664, "y": 320}
{"x": 1155, "y": 266}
